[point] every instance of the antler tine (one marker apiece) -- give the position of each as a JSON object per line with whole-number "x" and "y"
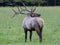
{"x": 34, "y": 9}
{"x": 15, "y": 13}
{"x": 19, "y": 9}
{"x": 22, "y": 11}
{"x": 25, "y": 7}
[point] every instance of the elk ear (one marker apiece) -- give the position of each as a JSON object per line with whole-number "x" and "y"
{"x": 39, "y": 15}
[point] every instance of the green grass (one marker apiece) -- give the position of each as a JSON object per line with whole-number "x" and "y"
{"x": 12, "y": 33}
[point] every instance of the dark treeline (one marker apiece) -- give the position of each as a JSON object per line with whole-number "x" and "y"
{"x": 30, "y": 2}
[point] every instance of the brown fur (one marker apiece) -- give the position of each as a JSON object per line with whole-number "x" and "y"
{"x": 38, "y": 26}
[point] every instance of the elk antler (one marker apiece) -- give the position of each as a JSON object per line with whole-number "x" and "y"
{"x": 23, "y": 10}
{"x": 20, "y": 11}
{"x": 33, "y": 9}
{"x": 15, "y": 13}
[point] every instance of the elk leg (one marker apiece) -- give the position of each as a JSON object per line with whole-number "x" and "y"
{"x": 39, "y": 32}
{"x": 25, "y": 34}
{"x": 41, "y": 35}
{"x": 30, "y": 35}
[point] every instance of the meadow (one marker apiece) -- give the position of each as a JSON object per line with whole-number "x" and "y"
{"x": 12, "y": 33}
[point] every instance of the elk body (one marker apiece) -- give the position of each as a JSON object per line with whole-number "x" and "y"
{"x": 32, "y": 22}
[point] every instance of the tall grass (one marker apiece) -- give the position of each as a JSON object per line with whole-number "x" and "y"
{"x": 12, "y": 33}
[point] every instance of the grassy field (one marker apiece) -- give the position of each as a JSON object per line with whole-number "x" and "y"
{"x": 12, "y": 33}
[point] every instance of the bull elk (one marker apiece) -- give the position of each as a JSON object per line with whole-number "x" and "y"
{"x": 32, "y": 22}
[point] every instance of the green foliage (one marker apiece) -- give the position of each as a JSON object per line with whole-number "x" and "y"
{"x": 31, "y": 1}
{"x": 17, "y": 0}
{"x": 12, "y": 33}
